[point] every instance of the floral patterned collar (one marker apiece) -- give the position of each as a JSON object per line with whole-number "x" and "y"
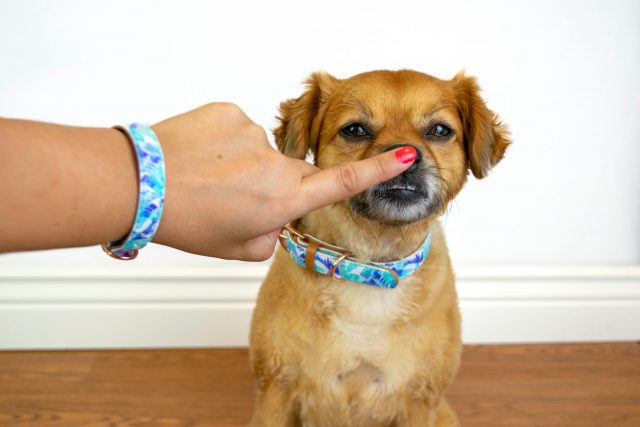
{"x": 338, "y": 263}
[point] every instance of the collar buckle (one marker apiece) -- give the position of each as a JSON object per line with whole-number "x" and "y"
{"x": 310, "y": 241}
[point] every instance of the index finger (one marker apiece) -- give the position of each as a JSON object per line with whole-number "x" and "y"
{"x": 343, "y": 181}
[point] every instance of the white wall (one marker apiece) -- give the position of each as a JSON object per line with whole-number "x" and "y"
{"x": 563, "y": 74}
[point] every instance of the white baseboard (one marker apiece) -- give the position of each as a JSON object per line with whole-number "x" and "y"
{"x": 92, "y": 308}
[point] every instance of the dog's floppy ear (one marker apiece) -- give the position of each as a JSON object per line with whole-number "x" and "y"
{"x": 485, "y": 137}
{"x": 300, "y": 118}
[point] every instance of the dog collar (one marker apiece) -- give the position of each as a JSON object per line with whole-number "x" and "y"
{"x": 336, "y": 262}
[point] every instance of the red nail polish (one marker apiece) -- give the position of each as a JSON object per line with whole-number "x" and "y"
{"x": 406, "y": 154}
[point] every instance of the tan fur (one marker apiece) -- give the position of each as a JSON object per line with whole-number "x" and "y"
{"x": 327, "y": 353}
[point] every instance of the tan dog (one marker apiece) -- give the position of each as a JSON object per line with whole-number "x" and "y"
{"x": 339, "y": 353}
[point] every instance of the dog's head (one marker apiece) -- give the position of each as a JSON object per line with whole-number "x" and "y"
{"x": 446, "y": 121}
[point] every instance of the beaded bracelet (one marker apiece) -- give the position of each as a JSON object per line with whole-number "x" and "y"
{"x": 151, "y": 189}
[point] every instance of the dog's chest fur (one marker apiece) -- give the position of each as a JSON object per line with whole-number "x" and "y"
{"x": 363, "y": 361}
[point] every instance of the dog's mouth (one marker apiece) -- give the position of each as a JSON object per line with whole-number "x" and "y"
{"x": 402, "y": 193}
{"x": 402, "y": 200}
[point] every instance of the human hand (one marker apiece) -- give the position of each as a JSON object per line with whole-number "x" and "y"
{"x": 228, "y": 192}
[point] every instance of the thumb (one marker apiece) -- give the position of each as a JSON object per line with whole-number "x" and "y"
{"x": 260, "y": 248}
{"x": 340, "y": 182}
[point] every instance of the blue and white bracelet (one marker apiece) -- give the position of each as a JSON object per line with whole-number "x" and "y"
{"x": 151, "y": 189}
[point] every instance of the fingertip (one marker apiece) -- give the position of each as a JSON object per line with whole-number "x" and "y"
{"x": 396, "y": 161}
{"x": 406, "y": 154}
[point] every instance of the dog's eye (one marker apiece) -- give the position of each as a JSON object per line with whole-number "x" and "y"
{"x": 439, "y": 131}
{"x": 354, "y": 131}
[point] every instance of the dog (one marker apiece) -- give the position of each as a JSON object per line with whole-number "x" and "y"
{"x": 357, "y": 321}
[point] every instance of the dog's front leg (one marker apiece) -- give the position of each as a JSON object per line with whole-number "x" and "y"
{"x": 420, "y": 413}
{"x": 273, "y": 407}
{"x": 423, "y": 413}
{"x": 417, "y": 413}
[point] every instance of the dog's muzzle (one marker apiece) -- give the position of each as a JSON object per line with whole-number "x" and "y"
{"x": 403, "y": 199}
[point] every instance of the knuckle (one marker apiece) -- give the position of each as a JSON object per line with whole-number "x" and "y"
{"x": 380, "y": 166}
{"x": 230, "y": 108}
{"x": 256, "y": 131}
{"x": 258, "y": 254}
{"x": 348, "y": 178}
{"x": 231, "y": 111}
{"x": 264, "y": 255}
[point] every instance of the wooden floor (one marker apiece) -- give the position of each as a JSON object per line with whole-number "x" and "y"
{"x": 542, "y": 385}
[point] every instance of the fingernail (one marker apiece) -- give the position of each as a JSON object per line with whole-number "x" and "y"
{"x": 406, "y": 154}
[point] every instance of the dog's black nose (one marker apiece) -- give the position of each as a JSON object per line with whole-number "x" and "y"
{"x": 414, "y": 166}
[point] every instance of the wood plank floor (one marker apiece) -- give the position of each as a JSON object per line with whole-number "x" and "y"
{"x": 524, "y": 385}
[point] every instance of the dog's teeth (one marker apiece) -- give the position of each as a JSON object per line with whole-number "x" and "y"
{"x": 403, "y": 187}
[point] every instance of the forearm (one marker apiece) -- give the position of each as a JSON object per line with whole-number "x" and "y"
{"x": 63, "y": 186}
